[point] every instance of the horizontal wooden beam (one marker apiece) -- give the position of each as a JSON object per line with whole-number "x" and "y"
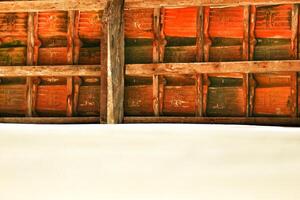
{"x": 174, "y": 3}
{"x": 217, "y": 120}
{"x": 50, "y": 120}
{"x": 58, "y": 70}
{"x": 93, "y": 5}
{"x": 51, "y": 5}
{"x": 213, "y": 67}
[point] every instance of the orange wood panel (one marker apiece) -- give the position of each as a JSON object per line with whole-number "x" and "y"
{"x": 51, "y": 99}
{"x": 180, "y": 22}
{"x": 273, "y": 22}
{"x": 139, "y": 23}
{"x": 52, "y": 24}
{"x": 53, "y": 56}
{"x": 12, "y": 99}
{"x": 226, "y": 22}
{"x": 273, "y": 101}
{"x": 138, "y": 100}
{"x": 13, "y": 29}
{"x": 13, "y": 56}
{"x": 89, "y": 100}
{"x": 90, "y": 56}
{"x": 90, "y": 26}
{"x": 179, "y": 100}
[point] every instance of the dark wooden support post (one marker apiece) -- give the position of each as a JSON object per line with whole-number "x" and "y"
{"x": 30, "y": 59}
{"x": 206, "y": 84}
{"x": 114, "y": 36}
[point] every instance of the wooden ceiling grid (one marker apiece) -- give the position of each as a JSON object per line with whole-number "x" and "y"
{"x": 193, "y": 61}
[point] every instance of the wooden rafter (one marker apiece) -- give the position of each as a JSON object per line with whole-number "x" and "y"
{"x": 57, "y": 70}
{"x": 213, "y": 67}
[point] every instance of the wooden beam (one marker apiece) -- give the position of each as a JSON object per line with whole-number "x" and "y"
{"x": 57, "y": 70}
{"x": 114, "y": 13}
{"x": 95, "y": 5}
{"x": 294, "y": 38}
{"x": 252, "y": 32}
{"x": 185, "y": 3}
{"x": 200, "y": 36}
{"x": 207, "y": 40}
{"x": 199, "y": 93}
{"x": 212, "y": 67}
{"x": 286, "y": 121}
{"x": 51, "y": 5}
{"x": 50, "y": 120}
{"x": 246, "y": 33}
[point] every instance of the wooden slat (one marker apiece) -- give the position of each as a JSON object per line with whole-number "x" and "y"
{"x": 58, "y": 70}
{"x": 199, "y": 95}
{"x": 252, "y": 32}
{"x": 51, "y": 5}
{"x": 156, "y": 31}
{"x": 114, "y": 13}
{"x": 50, "y": 120}
{"x": 246, "y": 33}
{"x": 200, "y": 36}
{"x": 207, "y": 40}
{"x": 218, "y": 120}
{"x": 213, "y": 67}
{"x": 184, "y": 3}
{"x": 70, "y": 37}
{"x": 294, "y": 38}
{"x": 156, "y": 107}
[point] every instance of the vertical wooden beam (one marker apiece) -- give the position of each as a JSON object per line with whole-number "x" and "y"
{"x": 246, "y": 33}
{"x": 77, "y": 83}
{"x": 294, "y": 38}
{"x": 207, "y": 40}
{"x": 246, "y": 88}
{"x": 70, "y": 36}
{"x": 162, "y": 39}
{"x": 156, "y": 34}
{"x": 37, "y": 42}
{"x": 103, "y": 62}
{"x": 156, "y": 107}
{"x": 77, "y": 41}
{"x": 199, "y": 95}
{"x": 35, "y": 84}
{"x": 114, "y": 25}
{"x": 294, "y": 94}
{"x": 251, "y": 96}
{"x": 69, "y": 96}
{"x": 70, "y": 47}
{"x": 206, "y": 84}
{"x": 30, "y": 60}
{"x": 200, "y": 39}
{"x": 252, "y": 32}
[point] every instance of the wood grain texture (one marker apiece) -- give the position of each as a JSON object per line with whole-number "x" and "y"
{"x": 213, "y": 67}
{"x": 114, "y": 13}
{"x": 59, "y": 70}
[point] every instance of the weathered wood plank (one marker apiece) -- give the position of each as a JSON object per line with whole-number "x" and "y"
{"x": 48, "y": 5}
{"x": 218, "y": 120}
{"x": 172, "y": 3}
{"x": 213, "y": 67}
{"x": 59, "y": 70}
{"x": 114, "y": 16}
{"x": 50, "y": 120}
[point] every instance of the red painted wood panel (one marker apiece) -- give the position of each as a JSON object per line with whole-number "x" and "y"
{"x": 139, "y": 23}
{"x": 13, "y": 99}
{"x": 274, "y": 101}
{"x": 138, "y": 100}
{"x": 51, "y": 99}
{"x": 89, "y": 56}
{"x": 180, "y": 22}
{"x": 273, "y": 22}
{"x": 90, "y": 26}
{"x": 53, "y": 56}
{"x": 89, "y": 100}
{"x": 226, "y": 22}
{"x": 13, "y": 29}
{"x": 52, "y": 24}
{"x": 179, "y": 100}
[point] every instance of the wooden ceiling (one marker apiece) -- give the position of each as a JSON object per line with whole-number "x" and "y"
{"x": 195, "y": 61}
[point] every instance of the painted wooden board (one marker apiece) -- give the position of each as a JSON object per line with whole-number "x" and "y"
{"x": 179, "y": 101}
{"x": 12, "y": 99}
{"x": 13, "y": 56}
{"x": 89, "y": 101}
{"x": 138, "y": 100}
